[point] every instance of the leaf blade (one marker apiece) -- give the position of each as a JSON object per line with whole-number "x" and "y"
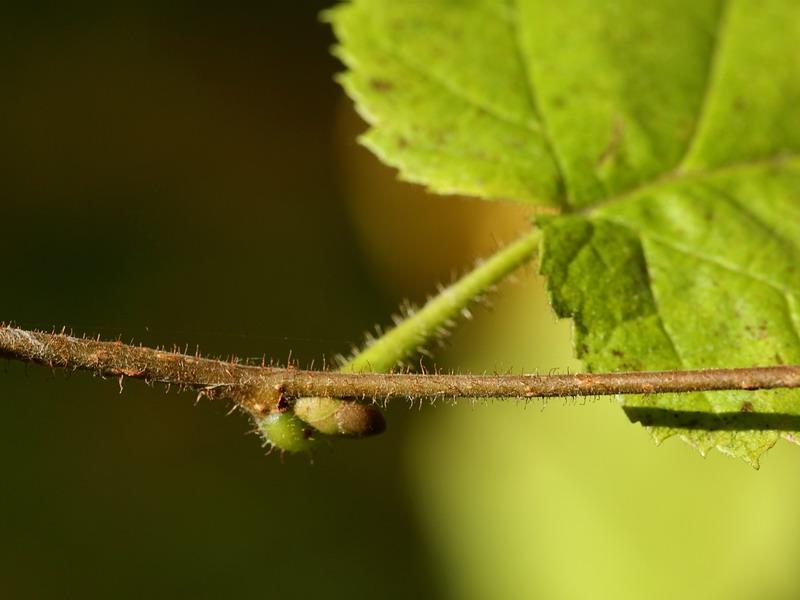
{"x": 716, "y": 303}
{"x": 665, "y": 133}
{"x": 429, "y": 118}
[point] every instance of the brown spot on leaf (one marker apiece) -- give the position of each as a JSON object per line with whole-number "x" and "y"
{"x": 613, "y": 146}
{"x": 381, "y": 85}
{"x": 746, "y": 407}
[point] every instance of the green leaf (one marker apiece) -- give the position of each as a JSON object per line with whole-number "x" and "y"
{"x": 666, "y": 133}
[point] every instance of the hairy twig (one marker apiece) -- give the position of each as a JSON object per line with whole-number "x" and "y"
{"x": 248, "y": 385}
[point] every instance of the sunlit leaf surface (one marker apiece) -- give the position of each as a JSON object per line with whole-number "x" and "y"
{"x": 665, "y": 133}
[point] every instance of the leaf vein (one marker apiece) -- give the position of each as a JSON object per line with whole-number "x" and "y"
{"x": 458, "y": 93}
{"x": 713, "y": 67}
{"x": 675, "y": 177}
{"x": 564, "y": 196}
{"x": 716, "y": 262}
{"x": 732, "y": 201}
{"x": 506, "y": 159}
{"x": 786, "y": 295}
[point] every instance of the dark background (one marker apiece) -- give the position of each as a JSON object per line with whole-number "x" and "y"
{"x": 170, "y": 175}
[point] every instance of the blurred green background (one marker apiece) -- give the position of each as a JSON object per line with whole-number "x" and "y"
{"x": 186, "y": 173}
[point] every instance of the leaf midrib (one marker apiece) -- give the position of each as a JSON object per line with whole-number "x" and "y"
{"x": 711, "y": 80}
{"x": 681, "y": 169}
{"x": 563, "y": 197}
{"x": 678, "y": 176}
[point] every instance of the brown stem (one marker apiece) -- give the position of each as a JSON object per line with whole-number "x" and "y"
{"x": 250, "y": 385}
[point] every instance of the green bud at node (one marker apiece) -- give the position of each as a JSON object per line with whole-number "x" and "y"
{"x": 337, "y": 417}
{"x": 286, "y": 432}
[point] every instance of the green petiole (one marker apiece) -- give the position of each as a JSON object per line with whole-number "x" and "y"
{"x": 337, "y": 417}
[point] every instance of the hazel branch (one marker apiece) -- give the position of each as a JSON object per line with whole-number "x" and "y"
{"x": 249, "y": 385}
